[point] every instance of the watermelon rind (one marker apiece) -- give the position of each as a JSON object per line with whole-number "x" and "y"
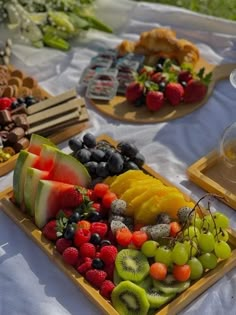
{"x": 36, "y": 142}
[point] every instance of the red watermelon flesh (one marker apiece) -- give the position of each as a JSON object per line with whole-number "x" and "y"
{"x": 36, "y": 143}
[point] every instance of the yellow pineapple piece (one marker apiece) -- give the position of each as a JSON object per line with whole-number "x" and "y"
{"x": 109, "y": 180}
{"x": 148, "y": 211}
{"x": 158, "y": 189}
{"x": 172, "y": 202}
{"x": 123, "y": 181}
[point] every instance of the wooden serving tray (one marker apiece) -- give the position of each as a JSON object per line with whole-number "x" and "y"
{"x": 206, "y": 173}
{"x": 181, "y": 301}
{"x": 67, "y": 131}
{"x": 119, "y": 108}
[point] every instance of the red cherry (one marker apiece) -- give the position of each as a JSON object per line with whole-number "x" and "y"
{"x": 5, "y": 103}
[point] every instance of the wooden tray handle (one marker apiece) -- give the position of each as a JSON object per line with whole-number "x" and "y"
{"x": 223, "y": 71}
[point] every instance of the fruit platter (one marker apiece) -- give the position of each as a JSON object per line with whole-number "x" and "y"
{"x": 128, "y": 238}
{"x": 26, "y": 108}
{"x": 157, "y": 78}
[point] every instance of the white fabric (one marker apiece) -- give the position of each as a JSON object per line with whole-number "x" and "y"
{"x": 29, "y": 282}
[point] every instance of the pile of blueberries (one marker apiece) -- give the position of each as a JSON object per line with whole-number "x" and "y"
{"x": 103, "y": 159}
{"x": 27, "y": 101}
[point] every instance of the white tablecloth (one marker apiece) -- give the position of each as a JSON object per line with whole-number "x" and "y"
{"x": 29, "y": 282}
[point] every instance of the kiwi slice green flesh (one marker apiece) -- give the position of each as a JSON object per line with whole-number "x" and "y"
{"x": 129, "y": 299}
{"x": 146, "y": 283}
{"x": 132, "y": 265}
{"x": 170, "y": 285}
{"x": 157, "y": 298}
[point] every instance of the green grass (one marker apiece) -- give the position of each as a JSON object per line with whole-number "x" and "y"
{"x": 221, "y": 8}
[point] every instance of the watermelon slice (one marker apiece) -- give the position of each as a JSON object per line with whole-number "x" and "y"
{"x": 36, "y": 143}
{"x": 48, "y": 200}
{"x": 32, "y": 179}
{"x": 24, "y": 160}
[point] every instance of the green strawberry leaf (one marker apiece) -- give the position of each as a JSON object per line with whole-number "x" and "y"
{"x": 151, "y": 86}
{"x": 187, "y": 66}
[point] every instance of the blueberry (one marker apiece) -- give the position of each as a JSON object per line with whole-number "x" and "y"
{"x": 89, "y": 140}
{"x": 75, "y": 144}
{"x": 29, "y": 100}
{"x": 69, "y": 232}
{"x": 75, "y": 217}
{"x": 127, "y": 149}
{"x": 115, "y": 163}
{"x": 97, "y": 263}
{"x": 162, "y": 86}
{"x": 140, "y": 102}
{"x": 131, "y": 166}
{"x": 20, "y": 100}
{"x": 14, "y": 105}
{"x": 97, "y": 155}
{"x": 91, "y": 167}
{"x": 161, "y": 60}
{"x": 159, "y": 67}
{"x": 83, "y": 155}
{"x": 95, "y": 239}
{"x": 139, "y": 159}
{"x": 102, "y": 169}
{"x": 105, "y": 243}
{"x": 184, "y": 84}
{"x": 93, "y": 216}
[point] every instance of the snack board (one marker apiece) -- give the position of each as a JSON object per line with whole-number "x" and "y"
{"x": 205, "y": 173}
{"x": 69, "y": 117}
{"x": 119, "y": 108}
{"x": 27, "y": 225}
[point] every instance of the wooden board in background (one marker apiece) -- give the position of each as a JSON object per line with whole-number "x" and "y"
{"x": 181, "y": 301}
{"x": 119, "y": 108}
{"x": 206, "y": 174}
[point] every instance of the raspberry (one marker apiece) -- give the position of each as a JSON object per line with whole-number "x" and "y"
{"x": 109, "y": 269}
{"x": 70, "y": 255}
{"x": 100, "y": 189}
{"x": 100, "y": 228}
{"x": 87, "y": 250}
{"x": 96, "y": 277}
{"x": 81, "y": 236}
{"x": 85, "y": 266}
{"x": 5, "y": 103}
{"x": 62, "y": 244}
{"x": 139, "y": 237}
{"x": 123, "y": 237}
{"x": 97, "y": 206}
{"x": 108, "y": 254}
{"x": 83, "y": 224}
{"x": 49, "y": 230}
{"x": 106, "y": 289}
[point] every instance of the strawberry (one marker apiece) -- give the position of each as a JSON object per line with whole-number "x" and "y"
{"x": 195, "y": 91}
{"x": 174, "y": 93}
{"x": 96, "y": 277}
{"x": 106, "y": 289}
{"x": 49, "y": 230}
{"x": 184, "y": 76}
{"x": 157, "y": 77}
{"x": 72, "y": 198}
{"x": 108, "y": 254}
{"x": 154, "y": 100}
{"x": 134, "y": 91}
{"x": 70, "y": 255}
{"x": 100, "y": 228}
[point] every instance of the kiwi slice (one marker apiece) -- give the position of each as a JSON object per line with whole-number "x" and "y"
{"x": 132, "y": 265}
{"x": 170, "y": 285}
{"x": 129, "y": 299}
{"x": 146, "y": 283}
{"x": 157, "y": 298}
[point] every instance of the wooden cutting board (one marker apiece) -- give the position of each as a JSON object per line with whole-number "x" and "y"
{"x": 118, "y": 108}
{"x": 175, "y": 306}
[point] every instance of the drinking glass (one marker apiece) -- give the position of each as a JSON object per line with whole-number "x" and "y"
{"x": 227, "y": 150}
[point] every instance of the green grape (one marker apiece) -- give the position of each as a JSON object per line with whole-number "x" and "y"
{"x": 208, "y": 260}
{"x": 196, "y": 268}
{"x": 197, "y": 222}
{"x": 221, "y": 234}
{"x": 192, "y": 233}
{"x": 163, "y": 255}
{"x": 179, "y": 254}
{"x": 206, "y": 242}
{"x": 208, "y": 223}
{"x": 191, "y": 248}
{"x": 149, "y": 248}
{"x": 222, "y": 250}
{"x": 221, "y": 220}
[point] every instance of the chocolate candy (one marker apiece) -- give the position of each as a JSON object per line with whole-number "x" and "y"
{"x": 19, "y": 109}
{"x": 21, "y": 144}
{"x": 21, "y": 121}
{"x": 5, "y": 117}
{"x": 16, "y": 134}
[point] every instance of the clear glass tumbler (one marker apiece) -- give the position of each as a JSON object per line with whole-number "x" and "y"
{"x": 227, "y": 150}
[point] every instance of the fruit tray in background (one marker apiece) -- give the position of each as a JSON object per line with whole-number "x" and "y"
{"x": 205, "y": 173}
{"x": 119, "y": 108}
{"x": 57, "y": 132}
{"x": 181, "y": 301}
